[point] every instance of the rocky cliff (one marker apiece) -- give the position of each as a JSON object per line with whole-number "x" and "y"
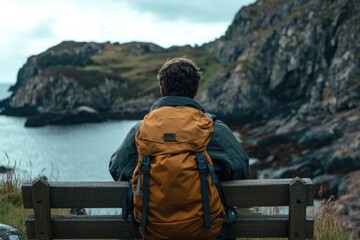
{"x": 295, "y": 85}
{"x": 295, "y": 81}
{"x": 285, "y": 74}
{"x": 288, "y": 56}
{"x": 77, "y": 82}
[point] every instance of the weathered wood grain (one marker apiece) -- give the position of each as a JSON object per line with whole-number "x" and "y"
{"x": 92, "y": 227}
{"x": 297, "y": 209}
{"x": 41, "y": 198}
{"x": 242, "y": 193}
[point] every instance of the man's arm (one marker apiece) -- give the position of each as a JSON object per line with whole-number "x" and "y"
{"x": 123, "y": 161}
{"x": 230, "y": 159}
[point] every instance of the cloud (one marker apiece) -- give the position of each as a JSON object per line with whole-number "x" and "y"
{"x": 43, "y": 29}
{"x": 30, "y": 27}
{"x": 193, "y": 11}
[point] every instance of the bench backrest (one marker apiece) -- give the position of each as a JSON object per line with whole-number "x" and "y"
{"x": 43, "y": 196}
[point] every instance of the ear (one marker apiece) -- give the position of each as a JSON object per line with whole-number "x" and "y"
{"x": 195, "y": 94}
{"x": 161, "y": 90}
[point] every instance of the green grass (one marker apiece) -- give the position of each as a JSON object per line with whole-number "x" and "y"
{"x": 327, "y": 227}
{"x": 141, "y": 69}
{"x": 11, "y": 210}
{"x": 119, "y": 62}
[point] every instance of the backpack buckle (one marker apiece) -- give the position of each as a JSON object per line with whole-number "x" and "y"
{"x": 202, "y": 166}
{"x": 230, "y": 213}
{"x": 201, "y": 162}
{"x": 146, "y": 165}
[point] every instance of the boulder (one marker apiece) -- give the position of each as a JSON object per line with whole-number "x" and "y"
{"x": 4, "y": 169}
{"x": 78, "y": 211}
{"x": 64, "y": 118}
{"x": 348, "y": 204}
{"x": 9, "y": 233}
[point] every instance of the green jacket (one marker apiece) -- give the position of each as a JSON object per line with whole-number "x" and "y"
{"x": 230, "y": 160}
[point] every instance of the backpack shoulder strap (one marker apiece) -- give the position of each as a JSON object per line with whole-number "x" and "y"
{"x": 127, "y": 204}
{"x": 137, "y": 126}
{"x": 230, "y": 214}
{"x": 212, "y": 116}
{"x": 202, "y": 165}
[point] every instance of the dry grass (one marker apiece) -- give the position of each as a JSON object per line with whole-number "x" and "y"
{"x": 327, "y": 225}
{"x": 12, "y": 212}
{"x": 11, "y": 209}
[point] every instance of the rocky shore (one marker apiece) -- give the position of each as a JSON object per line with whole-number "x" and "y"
{"x": 285, "y": 75}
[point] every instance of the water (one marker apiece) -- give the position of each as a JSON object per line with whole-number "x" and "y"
{"x": 4, "y": 90}
{"x": 63, "y": 153}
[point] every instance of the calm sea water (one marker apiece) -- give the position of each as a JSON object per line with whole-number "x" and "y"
{"x": 64, "y": 153}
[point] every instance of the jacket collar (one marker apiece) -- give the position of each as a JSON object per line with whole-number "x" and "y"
{"x": 176, "y": 101}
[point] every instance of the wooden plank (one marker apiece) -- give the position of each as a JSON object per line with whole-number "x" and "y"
{"x": 262, "y": 192}
{"x": 82, "y": 194}
{"x": 105, "y": 227}
{"x": 41, "y": 198}
{"x": 242, "y": 193}
{"x": 266, "y": 226}
{"x": 297, "y": 209}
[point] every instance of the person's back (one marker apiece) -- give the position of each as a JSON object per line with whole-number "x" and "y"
{"x": 175, "y": 187}
{"x": 174, "y": 140}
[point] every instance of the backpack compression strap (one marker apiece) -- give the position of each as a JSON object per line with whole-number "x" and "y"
{"x": 230, "y": 214}
{"x": 146, "y": 171}
{"x": 203, "y": 169}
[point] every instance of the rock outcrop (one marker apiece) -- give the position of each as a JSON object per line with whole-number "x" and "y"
{"x": 287, "y": 56}
{"x": 9, "y": 233}
{"x": 294, "y": 88}
{"x": 348, "y": 205}
{"x": 117, "y": 80}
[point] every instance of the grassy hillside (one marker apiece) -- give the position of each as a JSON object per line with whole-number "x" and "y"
{"x": 132, "y": 64}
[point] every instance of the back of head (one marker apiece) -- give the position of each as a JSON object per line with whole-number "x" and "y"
{"x": 179, "y": 77}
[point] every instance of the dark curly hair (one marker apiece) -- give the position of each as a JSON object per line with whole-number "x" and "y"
{"x": 179, "y": 77}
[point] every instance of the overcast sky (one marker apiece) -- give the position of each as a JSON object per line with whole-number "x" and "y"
{"x": 30, "y": 27}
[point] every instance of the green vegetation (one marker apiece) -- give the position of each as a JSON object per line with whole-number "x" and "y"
{"x": 327, "y": 227}
{"x": 141, "y": 68}
{"x": 65, "y": 45}
{"x": 65, "y": 59}
{"x": 11, "y": 210}
{"x": 133, "y": 65}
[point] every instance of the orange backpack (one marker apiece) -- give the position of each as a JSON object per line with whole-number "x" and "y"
{"x": 175, "y": 188}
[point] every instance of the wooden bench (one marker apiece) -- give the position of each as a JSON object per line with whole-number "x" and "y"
{"x": 42, "y": 196}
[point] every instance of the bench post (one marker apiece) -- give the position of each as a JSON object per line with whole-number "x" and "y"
{"x": 41, "y": 201}
{"x": 297, "y": 209}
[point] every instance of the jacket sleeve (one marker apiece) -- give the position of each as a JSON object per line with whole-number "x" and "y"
{"x": 123, "y": 161}
{"x": 230, "y": 159}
